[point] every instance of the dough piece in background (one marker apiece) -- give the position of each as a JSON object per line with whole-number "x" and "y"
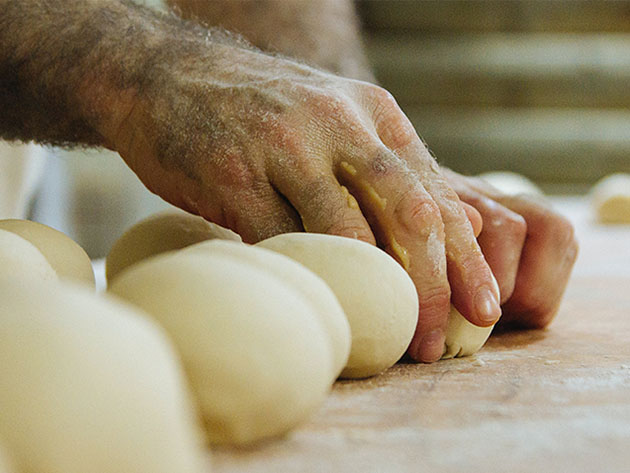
{"x": 511, "y": 183}
{"x": 610, "y": 199}
{"x": 312, "y": 287}
{"x": 159, "y": 233}
{"x": 257, "y": 357}
{"x": 5, "y": 464}
{"x": 89, "y": 384}
{"x": 20, "y": 258}
{"x": 66, "y": 257}
{"x": 375, "y": 292}
{"x": 462, "y": 337}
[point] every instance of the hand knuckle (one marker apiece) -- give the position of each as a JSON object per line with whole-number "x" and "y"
{"x": 434, "y": 301}
{"x": 560, "y": 230}
{"x": 419, "y": 214}
{"x": 515, "y": 225}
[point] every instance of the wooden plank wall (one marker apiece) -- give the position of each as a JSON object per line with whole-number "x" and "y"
{"x": 540, "y": 87}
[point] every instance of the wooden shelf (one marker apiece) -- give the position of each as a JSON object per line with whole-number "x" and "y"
{"x": 547, "y": 145}
{"x": 437, "y": 16}
{"x": 505, "y": 69}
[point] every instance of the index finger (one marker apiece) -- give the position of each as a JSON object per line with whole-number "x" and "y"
{"x": 407, "y": 224}
{"x": 475, "y": 292}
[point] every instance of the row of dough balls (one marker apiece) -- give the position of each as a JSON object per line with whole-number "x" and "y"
{"x": 87, "y": 382}
{"x": 246, "y": 338}
{"x": 265, "y": 330}
{"x": 353, "y": 270}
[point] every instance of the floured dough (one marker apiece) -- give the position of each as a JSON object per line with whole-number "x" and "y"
{"x": 375, "y": 292}
{"x": 89, "y": 384}
{"x": 66, "y": 257}
{"x": 611, "y": 199}
{"x": 311, "y": 286}
{"x": 462, "y": 337}
{"x": 20, "y": 258}
{"x": 257, "y": 357}
{"x": 511, "y": 183}
{"x": 164, "y": 231}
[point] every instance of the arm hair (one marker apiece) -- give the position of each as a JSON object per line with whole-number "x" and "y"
{"x": 70, "y": 69}
{"x": 323, "y": 33}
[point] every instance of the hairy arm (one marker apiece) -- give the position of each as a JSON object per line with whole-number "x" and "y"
{"x": 324, "y": 33}
{"x": 71, "y": 69}
{"x": 255, "y": 142}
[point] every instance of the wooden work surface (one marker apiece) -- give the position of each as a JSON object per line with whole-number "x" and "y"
{"x": 537, "y": 401}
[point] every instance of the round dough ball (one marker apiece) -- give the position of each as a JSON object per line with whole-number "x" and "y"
{"x": 611, "y": 199}
{"x": 375, "y": 292}
{"x": 462, "y": 337}
{"x": 66, "y": 257}
{"x": 301, "y": 279}
{"x": 257, "y": 358}
{"x": 88, "y": 384}
{"x": 159, "y": 233}
{"x": 20, "y": 258}
{"x": 511, "y": 183}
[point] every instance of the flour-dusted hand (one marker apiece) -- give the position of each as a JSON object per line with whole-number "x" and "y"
{"x": 530, "y": 248}
{"x": 257, "y": 143}
{"x": 263, "y": 145}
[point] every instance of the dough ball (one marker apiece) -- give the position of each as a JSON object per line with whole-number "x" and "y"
{"x": 89, "y": 384}
{"x": 376, "y": 294}
{"x": 301, "y": 279}
{"x": 66, "y": 257}
{"x": 5, "y": 465}
{"x": 462, "y": 337}
{"x": 511, "y": 183}
{"x": 257, "y": 358}
{"x": 20, "y": 258}
{"x": 611, "y": 199}
{"x": 164, "y": 231}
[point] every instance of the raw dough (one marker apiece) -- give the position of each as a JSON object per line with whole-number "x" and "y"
{"x": 300, "y": 278}
{"x": 20, "y": 258}
{"x": 256, "y": 356}
{"x": 376, "y": 293}
{"x": 164, "y": 231}
{"x": 89, "y": 384}
{"x": 611, "y": 199}
{"x": 65, "y": 256}
{"x": 511, "y": 183}
{"x": 462, "y": 337}
{"x": 4, "y": 461}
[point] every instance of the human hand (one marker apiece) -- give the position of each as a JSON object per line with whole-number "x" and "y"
{"x": 264, "y": 145}
{"x": 530, "y": 248}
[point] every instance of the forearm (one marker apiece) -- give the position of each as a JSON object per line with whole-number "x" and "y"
{"x": 70, "y": 70}
{"x": 324, "y": 33}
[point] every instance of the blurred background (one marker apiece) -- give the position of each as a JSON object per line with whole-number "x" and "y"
{"x": 537, "y": 87}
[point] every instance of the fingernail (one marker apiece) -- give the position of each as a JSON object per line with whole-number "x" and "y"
{"x": 431, "y": 348}
{"x": 487, "y": 305}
